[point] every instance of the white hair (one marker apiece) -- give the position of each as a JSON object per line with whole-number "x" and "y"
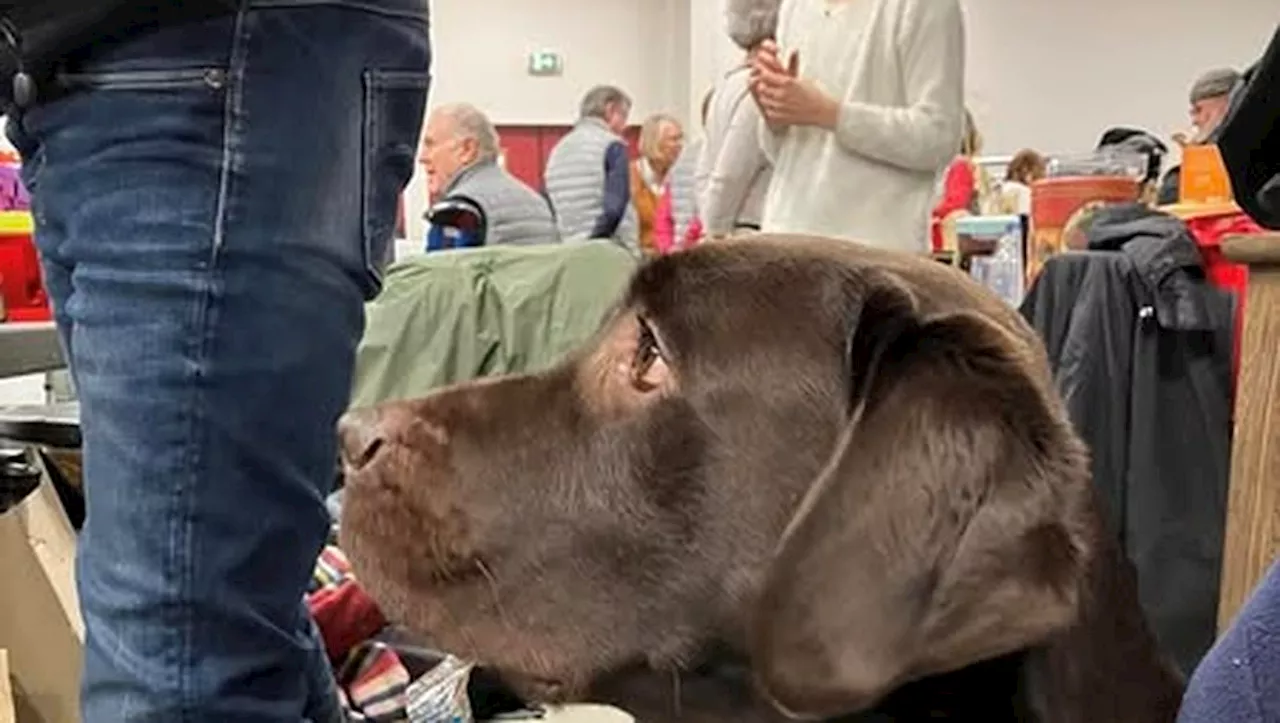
{"x": 751, "y": 22}
{"x": 470, "y": 122}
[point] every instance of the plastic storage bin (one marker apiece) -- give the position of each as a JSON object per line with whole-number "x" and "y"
{"x": 20, "y": 280}
{"x": 1001, "y": 265}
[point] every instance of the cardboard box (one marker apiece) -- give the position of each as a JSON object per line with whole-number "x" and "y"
{"x": 40, "y": 624}
{"x": 7, "y": 712}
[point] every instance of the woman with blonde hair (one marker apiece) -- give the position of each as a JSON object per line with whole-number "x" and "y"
{"x": 661, "y": 140}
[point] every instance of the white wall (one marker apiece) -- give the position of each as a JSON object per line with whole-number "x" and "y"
{"x": 481, "y": 49}
{"x": 1047, "y": 74}
{"x": 1053, "y": 75}
{"x": 710, "y": 50}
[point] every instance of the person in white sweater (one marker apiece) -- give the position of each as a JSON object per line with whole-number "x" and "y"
{"x": 863, "y": 105}
{"x": 733, "y": 170}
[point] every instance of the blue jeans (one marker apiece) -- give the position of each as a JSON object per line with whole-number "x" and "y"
{"x": 213, "y": 201}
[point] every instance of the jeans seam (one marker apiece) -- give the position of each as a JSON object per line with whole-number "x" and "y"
{"x": 203, "y": 321}
{"x": 233, "y": 111}
{"x": 369, "y": 140}
{"x": 362, "y": 6}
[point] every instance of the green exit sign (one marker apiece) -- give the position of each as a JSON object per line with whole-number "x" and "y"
{"x": 545, "y": 62}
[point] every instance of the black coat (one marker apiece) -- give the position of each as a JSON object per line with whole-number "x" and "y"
{"x": 1142, "y": 352}
{"x": 1249, "y": 139}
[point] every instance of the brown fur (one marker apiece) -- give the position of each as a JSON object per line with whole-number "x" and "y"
{"x": 849, "y": 492}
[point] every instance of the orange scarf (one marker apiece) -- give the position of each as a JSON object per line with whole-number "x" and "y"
{"x": 646, "y": 204}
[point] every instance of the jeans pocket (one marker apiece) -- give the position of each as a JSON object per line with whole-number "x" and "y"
{"x": 213, "y": 78}
{"x": 394, "y": 104}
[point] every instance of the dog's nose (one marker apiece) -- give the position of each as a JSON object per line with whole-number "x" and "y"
{"x": 360, "y": 436}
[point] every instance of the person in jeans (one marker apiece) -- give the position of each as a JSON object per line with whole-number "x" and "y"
{"x": 214, "y": 185}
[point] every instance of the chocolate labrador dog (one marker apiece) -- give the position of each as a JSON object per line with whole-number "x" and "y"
{"x": 791, "y": 478}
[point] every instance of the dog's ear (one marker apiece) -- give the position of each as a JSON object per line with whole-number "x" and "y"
{"x": 946, "y": 529}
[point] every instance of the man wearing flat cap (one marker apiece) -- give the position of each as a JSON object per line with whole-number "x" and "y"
{"x": 1210, "y": 97}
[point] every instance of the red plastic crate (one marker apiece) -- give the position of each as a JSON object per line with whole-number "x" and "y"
{"x": 21, "y": 282}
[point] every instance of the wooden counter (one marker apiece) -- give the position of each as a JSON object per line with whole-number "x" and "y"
{"x": 1253, "y": 503}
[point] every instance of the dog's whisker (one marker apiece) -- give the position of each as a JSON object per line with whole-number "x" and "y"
{"x": 462, "y": 630}
{"x": 439, "y": 566}
{"x": 538, "y": 660}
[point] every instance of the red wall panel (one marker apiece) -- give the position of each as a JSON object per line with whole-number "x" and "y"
{"x": 527, "y": 148}
{"x": 522, "y": 148}
{"x": 633, "y": 141}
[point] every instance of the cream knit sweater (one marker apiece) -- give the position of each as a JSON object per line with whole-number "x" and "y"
{"x": 897, "y": 66}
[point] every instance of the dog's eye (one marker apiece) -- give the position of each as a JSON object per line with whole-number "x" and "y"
{"x": 649, "y": 363}
{"x": 647, "y": 349}
{"x": 647, "y": 370}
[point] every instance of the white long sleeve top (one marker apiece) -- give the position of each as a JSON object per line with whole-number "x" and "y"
{"x": 897, "y": 67}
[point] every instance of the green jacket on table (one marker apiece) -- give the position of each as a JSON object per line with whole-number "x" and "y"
{"x": 448, "y": 317}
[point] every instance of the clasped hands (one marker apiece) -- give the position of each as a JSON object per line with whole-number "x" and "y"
{"x": 786, "y": 99}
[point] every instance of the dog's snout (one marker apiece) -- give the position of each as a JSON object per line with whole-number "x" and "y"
{"x": 360, "y": 436}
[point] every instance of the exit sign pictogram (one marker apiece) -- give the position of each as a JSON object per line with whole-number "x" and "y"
{"x": 545, "y": 62}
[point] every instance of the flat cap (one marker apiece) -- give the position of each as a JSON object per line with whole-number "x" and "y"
{"x": 1214, "y": 84}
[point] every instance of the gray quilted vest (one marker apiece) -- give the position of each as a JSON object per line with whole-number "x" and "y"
{"x": 574, "y": 180}
{"x": 515, "y": 213}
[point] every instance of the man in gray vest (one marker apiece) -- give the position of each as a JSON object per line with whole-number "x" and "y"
{"x": 588, "y": 178}
{"x": 474, "y": 201}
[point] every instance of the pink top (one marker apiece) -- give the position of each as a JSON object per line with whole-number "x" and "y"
{"x": 13, "y": 195}
{"x": 664, "y": 227}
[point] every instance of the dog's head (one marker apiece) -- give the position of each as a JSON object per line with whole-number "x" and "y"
{"x": 844, "y": 464}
